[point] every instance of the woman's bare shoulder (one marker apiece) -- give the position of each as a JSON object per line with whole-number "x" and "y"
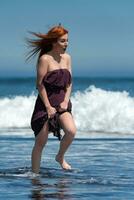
{"x": 44, "y": 58}
{"x": 43, "y": 61}
{"x": 68, "y": 60}
{"x": 67, "y": 56}
{"x": 42, "y": 65}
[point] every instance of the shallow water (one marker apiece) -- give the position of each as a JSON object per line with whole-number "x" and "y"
{"x": 102, "y": 168}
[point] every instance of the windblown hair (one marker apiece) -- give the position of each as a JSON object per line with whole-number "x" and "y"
{"x": 44, "y": 42}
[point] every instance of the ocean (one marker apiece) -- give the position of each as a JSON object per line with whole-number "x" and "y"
{"x": 101, "y": 155}
{"x": 99, "y": 104}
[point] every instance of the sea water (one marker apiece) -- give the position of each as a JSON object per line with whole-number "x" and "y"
{"x": 101, "y": 154}
{"x": 99, "y": 104}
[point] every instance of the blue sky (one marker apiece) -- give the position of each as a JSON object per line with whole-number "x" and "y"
{"x": 101, "y": 34}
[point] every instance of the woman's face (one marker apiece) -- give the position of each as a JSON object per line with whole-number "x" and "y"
{"x": 62, "y": 42}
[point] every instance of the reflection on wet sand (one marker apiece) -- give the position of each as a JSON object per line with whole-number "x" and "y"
{"x": 58, "y": 190}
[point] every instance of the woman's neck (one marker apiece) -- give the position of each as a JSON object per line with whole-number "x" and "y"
{"x": 55, "y": 54}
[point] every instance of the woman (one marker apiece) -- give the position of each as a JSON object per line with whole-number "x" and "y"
{"x": 52, "y": 110}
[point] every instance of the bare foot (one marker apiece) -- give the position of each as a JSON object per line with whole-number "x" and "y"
{"x": 63, "y": 163}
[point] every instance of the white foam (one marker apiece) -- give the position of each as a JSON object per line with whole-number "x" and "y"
{"x": 16, "y": 112}
{"x": 94, "y": 109}
{"x": 104, "y": 111}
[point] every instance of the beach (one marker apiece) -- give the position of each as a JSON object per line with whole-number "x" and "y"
{"x": 102, "y": 168}
{"x": 101, "y": 155}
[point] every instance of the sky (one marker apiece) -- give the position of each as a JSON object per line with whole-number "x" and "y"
{"x": 101, "y": 35}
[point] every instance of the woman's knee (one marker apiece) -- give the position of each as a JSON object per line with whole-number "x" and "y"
{"x": 72, "y": 131}
{"x": 68, "y": 124}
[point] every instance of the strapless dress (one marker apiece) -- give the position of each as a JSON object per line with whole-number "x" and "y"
{"x": 55, "y": 83}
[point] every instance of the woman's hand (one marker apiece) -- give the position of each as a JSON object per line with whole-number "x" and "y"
{"x": 51, "y": 111}
{"x": 63, "y": 106}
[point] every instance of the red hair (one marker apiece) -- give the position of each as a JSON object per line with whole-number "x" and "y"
{"x": 45, "y": 41}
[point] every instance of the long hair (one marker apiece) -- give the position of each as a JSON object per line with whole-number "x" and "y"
{"x": 44, "y": 42}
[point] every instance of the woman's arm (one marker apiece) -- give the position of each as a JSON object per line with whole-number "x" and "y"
{"x": 69, "y": 89}
{"x": 64, "y": 104}
{"x": 42, "y": 68}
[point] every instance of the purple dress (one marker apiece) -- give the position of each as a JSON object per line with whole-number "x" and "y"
{"x": 56, "y": 83}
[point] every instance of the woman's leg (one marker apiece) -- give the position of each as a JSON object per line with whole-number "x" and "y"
{"x": 40, "y": 142}
{"x": 68, "y": 125}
